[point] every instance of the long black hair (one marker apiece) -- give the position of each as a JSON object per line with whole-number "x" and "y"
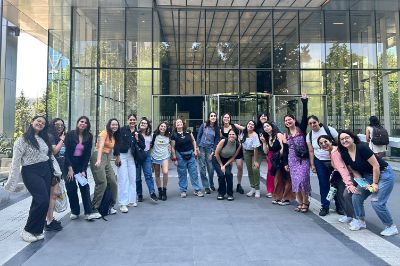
{"x": 116, "y": 134}
{"x": 86, "y": 133}
{"x": 327, "y": 137}
{"x": 53, "y": 129}
{"x": 274, "y": 132}
{"x": 259, "y": 124}
{"x": 246, "y": 132}
{"x": 148, "y": 130}
{"x": 29, "y": 135}
{"x": 208, "y": 122}
{"x": 157, "y": 131}
{"x": 355, "y": 138}
{"x": 374, "y": 121}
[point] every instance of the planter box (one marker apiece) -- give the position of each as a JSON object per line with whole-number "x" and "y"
{"x": 5, "y": 162}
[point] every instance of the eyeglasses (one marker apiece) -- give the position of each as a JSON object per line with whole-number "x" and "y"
{"x": 345, "y": 138}
{"x": 143, "y": 123}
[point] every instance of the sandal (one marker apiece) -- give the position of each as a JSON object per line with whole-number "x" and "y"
{"x": 305, "y": 209}
{"x": 298, "y": 208}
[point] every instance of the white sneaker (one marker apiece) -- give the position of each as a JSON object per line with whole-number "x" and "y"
{"x": 344, "y": 219}
{"x": 390, "y": 231}
{"x": 198, "y": 193}
{"x": 28, "y": 237}
{"x": 257, "y": 194}
{"x": 123, "y": 209}
{"x": 183, "y": 194}
{"x": 132, "y": 204}
{"x": 251, "y": 192}
{"x": 357, "y": 224}
{"x": 113, "y": 210}
{"x": 73, "y": 216}
{"x": 268, "y": 195}
{"x": 94, "y": 215}
{"x": 40, "y": 237}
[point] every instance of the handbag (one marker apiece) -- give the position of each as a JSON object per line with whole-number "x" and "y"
{"x": 61, "y": 200}
{"x": 139, "y": 154}
{"x": 301, "y": 152}
{"x": 187, "y": 155}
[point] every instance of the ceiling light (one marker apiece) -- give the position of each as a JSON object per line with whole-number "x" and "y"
{"x": 338, "y": 23}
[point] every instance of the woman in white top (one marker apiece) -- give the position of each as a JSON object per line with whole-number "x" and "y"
{"x": 160, "y": 153}
{"x": 369, "y": 132}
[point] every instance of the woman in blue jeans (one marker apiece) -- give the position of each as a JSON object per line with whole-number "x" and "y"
{"x": 207, "y": 139}
{"x": 379, "y": 178}
{"x": 184, "y": 153}
{"x": 145, "y": 166}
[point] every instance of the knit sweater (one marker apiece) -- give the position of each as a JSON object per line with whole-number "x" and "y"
{"x": 24, "y": 154}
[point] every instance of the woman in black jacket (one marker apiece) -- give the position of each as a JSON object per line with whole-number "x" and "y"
{"x": 125, "y": 161}
{"x": 78, "y": 147}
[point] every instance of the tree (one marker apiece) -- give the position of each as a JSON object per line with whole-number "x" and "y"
{"x": 23, "y": 112}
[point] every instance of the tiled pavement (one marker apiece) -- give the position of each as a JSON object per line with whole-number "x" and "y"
{"x": 202, "y": 231}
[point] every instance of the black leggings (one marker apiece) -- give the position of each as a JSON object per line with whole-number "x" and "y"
{"x": 37, "y": 179}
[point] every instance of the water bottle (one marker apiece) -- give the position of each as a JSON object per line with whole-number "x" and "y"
{"x": 331, "y": 193}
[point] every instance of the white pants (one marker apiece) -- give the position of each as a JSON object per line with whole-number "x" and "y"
{"x": 126, "y": 179}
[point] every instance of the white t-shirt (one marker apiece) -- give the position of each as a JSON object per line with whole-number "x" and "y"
{"x": 318, "y": 152}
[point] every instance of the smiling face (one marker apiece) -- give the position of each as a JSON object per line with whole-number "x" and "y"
{"x": 226, "y": 119}
{"x": 263, "y": 118}
{"x": 232, "y": 136}
{"x": 213, "y": 117}
{"x": 314, "y": 124}
{"x": 346, "y": 140}
{"x": 289, "y": 122}
{"x": 114, "y": 126}
{"x": 179, "y": 124}
{"x": 59, "y": 125}
{"x": 82, "y": 124}
{"x": 250, "y": 126}
{"x": 38, "y": 124}
{"x": 162, "y": 128}
{"x": 132, "y": 121}
{"x": 267, "y": 128}
{"x": 325, "y": 144}
{"x": 143, "y": 125}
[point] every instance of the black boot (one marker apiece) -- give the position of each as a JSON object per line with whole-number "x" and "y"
{"x": 164, "y": 194}
{"x": 160, "y": 193}
{"x": 239, "y": 189}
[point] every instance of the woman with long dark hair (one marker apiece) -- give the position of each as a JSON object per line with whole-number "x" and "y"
{"x": 378, "y": 176}
{"x": 252, "y": 158}
{"x": 78, "y": 147}
{"x": 57, "y": 138}
{"x": 160, "y": 153}
{"x": 33, "y": 152}
{"x": 225, "y": 128}
{"x": 184, "y": 152}
{"x": 298, "y": 157}
{"x": 126, "y": 163}
{"x": 275, "y": 142}
{"x": 207, "y": 139}
{"x": 145, "y": 166}
{"x": 374, "y": 125}
{"x": 100, "y": 164}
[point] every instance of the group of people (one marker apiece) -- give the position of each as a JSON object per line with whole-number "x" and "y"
{"x": 48, "y": 153}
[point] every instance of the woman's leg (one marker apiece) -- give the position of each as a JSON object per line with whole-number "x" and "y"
{"x": 248, "y": 158}
{"x": 378, "y": 202}
{"x": 131, "y": 179}
{"x": 100, "y": 180}
{"x": 111, "y": 180}
{"x": 270, "y": 178}
{"x": 221, "y": 177}
{"x": 165, "y": 178}
{"x": 239, "y": 164}
{"x": 202, "y": 166}
{"x": 182, "y": 173}
{"x": 72, "y": 192}
{"x": 193, "y": 173}
{"x": 210, "y": 168}
{"x": 123, "y": 182}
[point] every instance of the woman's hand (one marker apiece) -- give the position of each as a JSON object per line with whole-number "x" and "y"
{"x": 262, "y": 138}
{"x": 70, "y": 174}
{"x": 83, "y": 174}
{"x": 374, "y": 187}
{"x": 255, "y": 165}
{"x": 175, "y": 162}
{"x": 287, "y": 168}
{"x": 137, "y": 136}
{"x": 195, "y": 153}
{"x": 210, "y": 156}
{"x": 353, "y": 190}
{"x": 62, "y": 136}
{"x": 117, "y": 161}
{"x": 223, "y": 169}
{"x": 97, "y": 164}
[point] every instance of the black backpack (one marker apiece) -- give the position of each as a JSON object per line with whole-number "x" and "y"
{"x": 106, "y": 203}
{"x": 380, "y": 136}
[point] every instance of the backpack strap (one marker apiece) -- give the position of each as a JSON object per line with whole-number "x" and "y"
{"x": 328, "y": 131}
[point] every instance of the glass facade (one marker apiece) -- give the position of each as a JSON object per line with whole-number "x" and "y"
{"x": 167, "y": 61}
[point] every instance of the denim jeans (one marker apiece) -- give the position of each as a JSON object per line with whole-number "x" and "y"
{"x": 146, "y": 167}
{"x": 126, "y": 174}
{"x": 206, "y": 164}
{"x": 323, "y": 173}
{"x": 185, "y": 166}
{"x": 385, "y": 185}
{"x": 225, "y": 180}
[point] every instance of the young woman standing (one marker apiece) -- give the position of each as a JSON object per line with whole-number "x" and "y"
{"x": 184, "y": 153}
{"x": 100, "y": 164}
{"x": 145, "y": 166}
{"x": 160, "y": 153}
{"x": 207, "y": 139}
{"x": 226, "y": 127}
{"x": 33, "y": 152}
{"x": 126, "y": 164}
{"x": 78, "y": 147}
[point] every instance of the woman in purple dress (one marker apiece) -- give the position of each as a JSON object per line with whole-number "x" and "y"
{"x": 298, "y": 161}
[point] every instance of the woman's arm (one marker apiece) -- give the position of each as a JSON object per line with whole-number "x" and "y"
{"x": 200, "y": 133}
{"x": 311, "y": 156}
{"x": 218, "y": 151}
{"x": 239, "y": 127}
{"x": 303, "y": 123}
{"x": 173, "y": 152}
{"x": 264, "y": 143}
{"x": 56, "y": 148}
{"x": 376, "y": 172}
{"x": 100, "y": 148}
{"x": 195, "y": 149}
{"x": 282, "y": 141}
{"x": 367, "y": 134}
{"x": 15, "y": 172}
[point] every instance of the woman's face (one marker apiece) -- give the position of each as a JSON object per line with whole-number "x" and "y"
{"x": 314, "y": 124}
{"x": 250, "y": 126}
{"x": 132, "y": 121}
{"x": 213, "y": 117}
{"x": 226, "y": 119}
{"x": 179, "y": 124}
{"x": 346, "y": 140}
{"x": 59, "y": 125}
{"x": 267, "y": 128}
{"x": 143, "y": 125}
{"x": 325, "y": 144}
{"x": 289, "y": 122}
{"x": 263, "y": 118}
{"x": 232, "y": 136}
{"x": 114, "y": 126}
{"x": 82, "y": 124}
{"x": 38, "y": 124}
{"x": 162, "y": 128}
